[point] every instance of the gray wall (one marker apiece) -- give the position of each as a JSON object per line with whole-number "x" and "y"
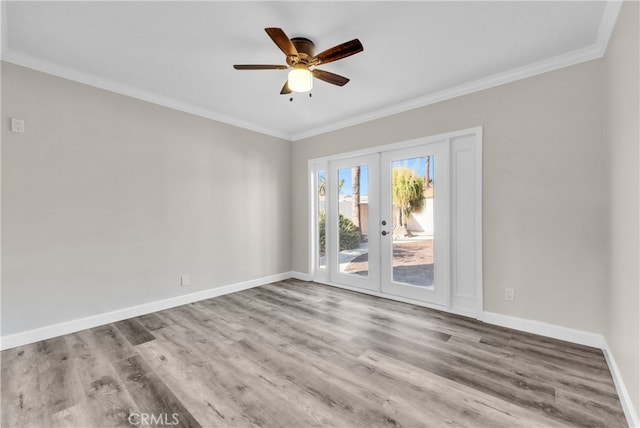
{"x": 107, "y": 200}
{"x": 622, "y": 178}
{"x": 542, "y": 185}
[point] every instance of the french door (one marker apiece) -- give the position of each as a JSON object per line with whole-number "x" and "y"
{"x": 402, "y": 221}
{"x": 414, "y": 201}
{"x": 353, "y": 225}
{"x": 386, "y": 223}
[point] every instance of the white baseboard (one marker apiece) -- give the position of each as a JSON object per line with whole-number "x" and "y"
{"x": 575, "y": 336}
{"x": 543, "y": 329}
{"x": 627, "y": 404}
{"x": 300, "y": 275}
{"x": 42, "y": 333}
{"x": 522, "y": 324}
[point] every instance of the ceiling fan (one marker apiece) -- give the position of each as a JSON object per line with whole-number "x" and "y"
{"x": 301, "y": 59}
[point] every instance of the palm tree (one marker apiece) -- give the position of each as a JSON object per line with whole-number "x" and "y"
{"x": 322, "y": 186}
{"x": 408, "y": 195}
{"x": 355, "y": 192}
{"x": 427, "y": 183}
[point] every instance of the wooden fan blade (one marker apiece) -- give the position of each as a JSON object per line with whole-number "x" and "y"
{"x": 285, "y": 88}
{"x": 335, "y": 53}
{"x": 259, "y": 67}
{"x": 282, "y": 41}
{"x": 334, "y": 79}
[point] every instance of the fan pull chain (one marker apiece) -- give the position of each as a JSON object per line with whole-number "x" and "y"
{"x": 310, "y": 96}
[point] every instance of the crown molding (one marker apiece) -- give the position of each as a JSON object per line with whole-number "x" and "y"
{"x": 3, "y": 22}
{"x": 607, "y": 24}
{"x": 544, "y": 66}
{"x": 595, "y": 51}
{"x": 29, "y": 61}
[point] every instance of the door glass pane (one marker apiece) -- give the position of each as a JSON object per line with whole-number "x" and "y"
{"x": 322, "y": 220}
{"x": 353, "y": 204}
{"x": 412, "y": 196}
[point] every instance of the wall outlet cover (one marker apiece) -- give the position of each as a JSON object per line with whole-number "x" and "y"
{"x": 17, "y": 125}
{"x": 509, "y": 294}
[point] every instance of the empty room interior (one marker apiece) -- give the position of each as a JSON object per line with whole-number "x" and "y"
{"x": 327, "y": 214}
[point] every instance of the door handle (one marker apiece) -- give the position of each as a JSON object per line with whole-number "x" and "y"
{"x": 384, "y": 233}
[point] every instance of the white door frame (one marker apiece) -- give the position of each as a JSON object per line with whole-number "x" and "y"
{"x": 372, "y": 280}
{"x": 439, "y": 293}
{"x": 466, "y": 287}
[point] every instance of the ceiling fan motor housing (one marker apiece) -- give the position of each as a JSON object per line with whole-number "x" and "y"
{"x": 306, "y": 52}
{"x": 300, "y": 55}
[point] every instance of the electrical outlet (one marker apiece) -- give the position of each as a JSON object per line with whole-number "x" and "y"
{"x": 509, "y": 294}
{"x": 17, "y": 125}
{"x": 184, "y": 280}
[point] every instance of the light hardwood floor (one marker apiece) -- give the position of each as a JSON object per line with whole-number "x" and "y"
{"x": 297, "y": 354}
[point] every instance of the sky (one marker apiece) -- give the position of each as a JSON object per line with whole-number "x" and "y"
{"x": 417, "y": 164}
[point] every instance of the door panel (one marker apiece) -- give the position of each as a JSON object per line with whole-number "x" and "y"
{"x": 320, "y": 205}
{"x": 414, "y": 196}
{"x": 353, "y": 240}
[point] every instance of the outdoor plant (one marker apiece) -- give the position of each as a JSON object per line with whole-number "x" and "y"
{"x": 349, "y": 233}
{"x": 408, "y": 195}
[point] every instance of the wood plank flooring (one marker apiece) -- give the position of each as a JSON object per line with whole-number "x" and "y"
{"x": 298, "y": 354}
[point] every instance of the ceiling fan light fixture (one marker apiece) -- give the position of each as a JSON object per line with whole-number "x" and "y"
{"x": 300, "y": 55}
{"x": 300, "y": 80}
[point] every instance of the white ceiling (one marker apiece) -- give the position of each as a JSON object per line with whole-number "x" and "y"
{"x": 180, "y": 54}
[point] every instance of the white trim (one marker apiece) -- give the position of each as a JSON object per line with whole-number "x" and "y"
{"x": 521, "y": 324}
{"x": 3, "y": 44}
{"x": 519, "y": 73}
{"x": 66, "y": 327}
{"x": 607, "y": 24}
{"x": 443, "y": 308}
{"x": 543, "y": 329}
{"x": 623, "y": 393}
{"x": 312, "y": 206}
{"x": 580, "y": 337}
{"x": 596, "y": 50}
{"x": 313, "y": 169}
{"x": 301, "y": 276}
{"x": 479, "y": 224}
{"x": 574, "y": 336}
{"x": 110, "y": 85}
{"x": 4, "y": 30}
{"x": 400, "y": 145}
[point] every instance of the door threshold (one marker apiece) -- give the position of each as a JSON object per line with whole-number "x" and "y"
{"x": 442, "y": 308}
